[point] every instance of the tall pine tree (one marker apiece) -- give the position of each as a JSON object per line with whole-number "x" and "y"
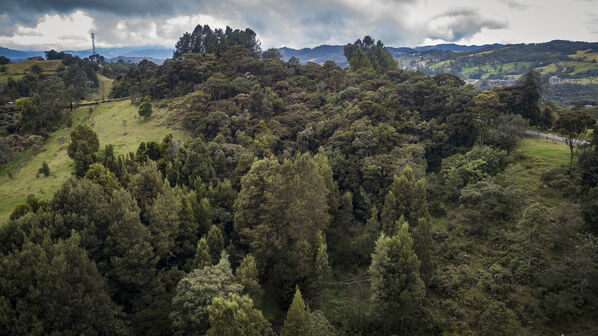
{"x": 298, "y": 320}
{"x": 396, "y": 287}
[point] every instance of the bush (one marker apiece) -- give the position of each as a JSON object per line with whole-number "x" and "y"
{"x": 145, "y": 110}
{"x": 558, "y": 179}
{"x": 498, "y": 320}
{"x": 45, "y": 170}
{"x": 349, "y": 93}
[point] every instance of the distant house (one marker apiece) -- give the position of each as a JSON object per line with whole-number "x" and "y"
{"x": 35, "y": 58}
{"x": 554, "y": 80}
{"x": 500, "y": 82}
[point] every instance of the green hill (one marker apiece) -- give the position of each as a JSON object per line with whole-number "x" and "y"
{"x": 20, "y": 69}
{"x": 115, "y": 123}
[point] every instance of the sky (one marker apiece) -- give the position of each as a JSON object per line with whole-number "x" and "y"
{"x": 66, "y": 24}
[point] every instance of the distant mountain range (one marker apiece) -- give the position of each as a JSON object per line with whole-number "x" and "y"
{"x": 155, "y": 54}
{"x": 322, "y": 53}
{"x": 158, "y": 54}
{"x": 19, "y": 55}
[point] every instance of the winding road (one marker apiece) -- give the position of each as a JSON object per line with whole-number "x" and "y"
{"x": 553, "y": 137}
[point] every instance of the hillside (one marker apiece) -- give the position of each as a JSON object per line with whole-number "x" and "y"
{"x": 115, "y": 123}
{"x": 566, "y": 59}
{"x": 20, "y": 69}
{"x": 262, "y": 197}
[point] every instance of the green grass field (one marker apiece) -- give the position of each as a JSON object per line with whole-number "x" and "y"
{"x": 532, "y": 157}
{"x": 116, "y": 123}
{"x": 585, "y": 55}
{"x": 104, "y": 86}
{"x": 19, "y": 69}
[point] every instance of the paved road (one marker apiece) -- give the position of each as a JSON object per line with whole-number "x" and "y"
{"x": 553, "y": 137}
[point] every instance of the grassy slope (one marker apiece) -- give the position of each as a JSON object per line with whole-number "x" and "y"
{"x": 19, "y": 69}
{"x": 534, "y": 156}
{"x": 105, "y": 84}
{"x": 107, "y": 120}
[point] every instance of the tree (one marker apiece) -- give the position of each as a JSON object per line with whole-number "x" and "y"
{"x": 485, "y": 111}
{"x": 406, "y": 197}
{"x": 81, "y": 205}
{"x": 533, "y": 223}
{"x": 128, "y": 249}
{"x": 396, "y": 287}
{"x": 272, "y": 53}
{"x": 146, "y": 185}
{"x": 163, "y": 223}
{"x": 203, "y": 257}
{"x": 298, "y": 320}
{"x": 98, "y": 174}
{"x": 590, "y": 209}
{"x": 320, "y": 325}
{"x": 423, "y": 245}
{"x": 53, "y": 287}
{"x": 281, "y": 209}
{"x": 4, "y": 60}
{"x": 235, "y": 315}
{"x": 205, "y": 40}
{"x": 195, "y": 293}
{"x": 83, "y": 148}
{"x": 322, "y": 267}
{"x": 215, "y": 242}
{"x": 369, "y": 54}
{"x": 498, "y": 320}
{"x": 573, "y": 125}
{"x": 45, "y": 170}
{"x": 145, "y": 110}
{"x": 248, "y": 276}
{"x": 359, "y": 60}
{"x": 36, "y": 69}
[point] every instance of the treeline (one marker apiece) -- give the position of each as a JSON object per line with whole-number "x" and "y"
{"x": 205, "y": 40}
{"x": 360, "y": 202}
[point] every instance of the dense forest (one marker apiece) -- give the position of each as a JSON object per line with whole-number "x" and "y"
{"x": 310, "y": 200}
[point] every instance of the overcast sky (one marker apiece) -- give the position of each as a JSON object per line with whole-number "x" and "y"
{"x": 66, "y": 24}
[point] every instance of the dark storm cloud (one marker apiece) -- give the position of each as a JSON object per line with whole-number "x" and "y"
{"x": 118, "y": 7}
{"x": 461, "y": 23}
{"x": 295, "y": 23}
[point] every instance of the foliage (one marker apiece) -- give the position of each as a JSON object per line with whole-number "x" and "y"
{"x": 196, "y": 292}
{"x": 573, "y": 125}
{"x": 60, "y": 290}
{"x": 145, "y": 110}
{"x": 248, "y": 276}
{"x": 367, "y": 55}
{"x": 83, "y": 148}
{"x": 396, "y": 287}
{"x": 205, "y": 40}
{"x": 45, "y": 169}
{"x": 235, "y": 315}
{"x": 298, "y": 320}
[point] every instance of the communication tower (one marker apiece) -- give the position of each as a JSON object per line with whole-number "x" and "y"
{"x": 94, "y": 56}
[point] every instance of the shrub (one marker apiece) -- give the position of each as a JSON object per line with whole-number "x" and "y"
{"x": 44, "y": 169}
{"x": 145, "y": 110}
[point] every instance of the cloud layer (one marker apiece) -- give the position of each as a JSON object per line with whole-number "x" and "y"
{"x": 66, "y": 24}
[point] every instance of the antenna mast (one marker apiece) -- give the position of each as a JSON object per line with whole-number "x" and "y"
{"x": 93, "y": 57}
